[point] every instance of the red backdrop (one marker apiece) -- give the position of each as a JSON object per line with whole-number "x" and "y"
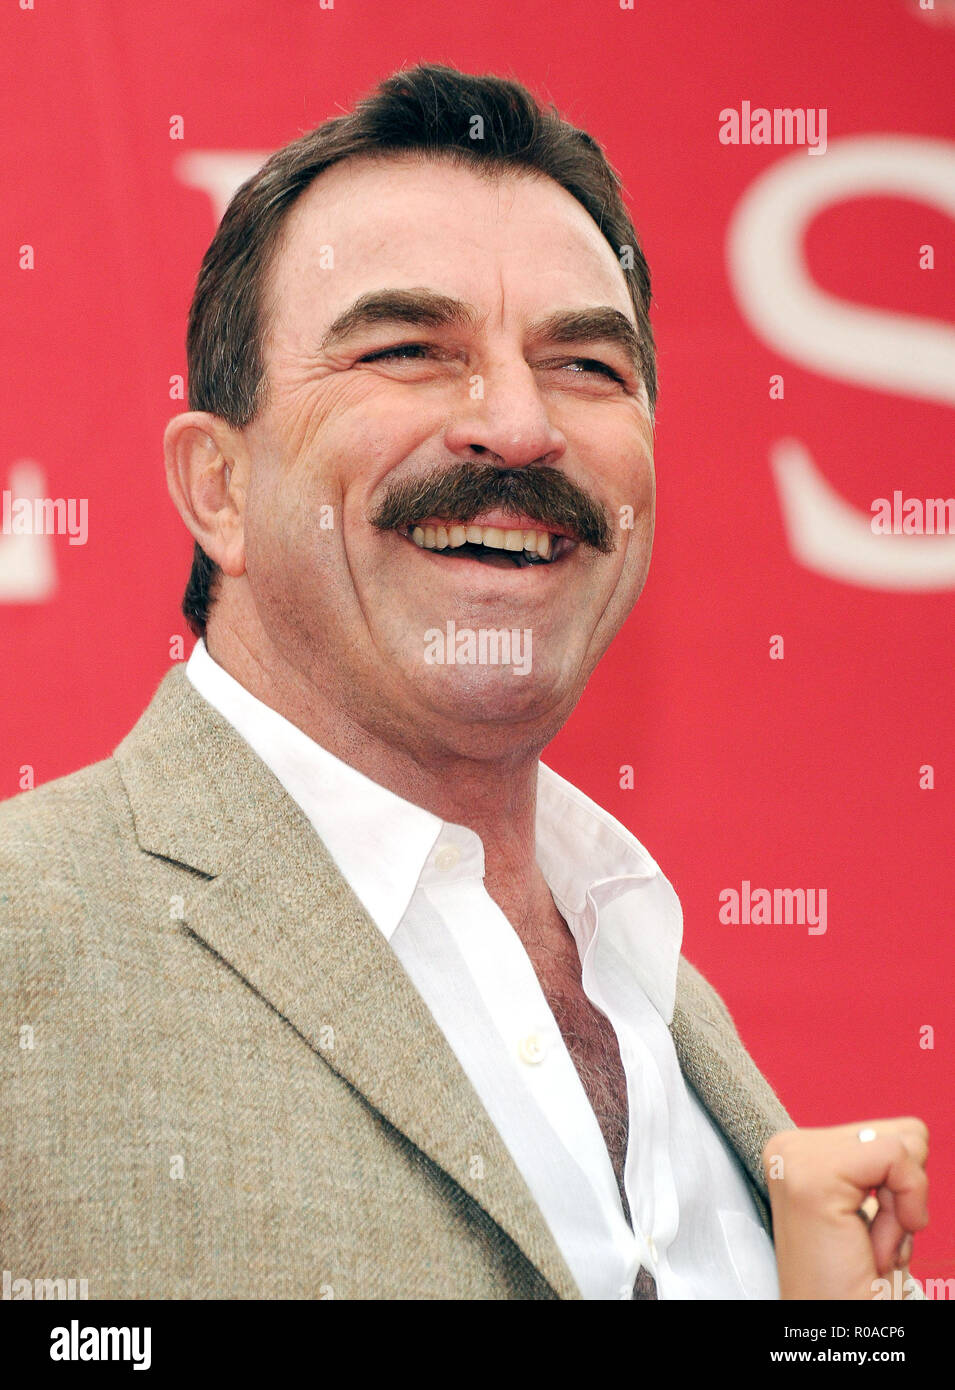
{"x": 768, "y": 261}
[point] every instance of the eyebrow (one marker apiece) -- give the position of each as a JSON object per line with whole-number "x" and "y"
{"x": 426, "y": 308}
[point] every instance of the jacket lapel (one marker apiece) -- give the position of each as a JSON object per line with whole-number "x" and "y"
{"x": 276, "y": 908}
{"x": 725, "y": 1078}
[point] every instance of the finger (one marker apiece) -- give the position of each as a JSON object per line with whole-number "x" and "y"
{"x": 887, "y": 1162}
{"x": 886, "y": 1233}
{"x": 908, "y": 1185}
{"x": 915, "y": 1138}
{"x": 867, "y": 1162}
{"x": 912, "y": 1130}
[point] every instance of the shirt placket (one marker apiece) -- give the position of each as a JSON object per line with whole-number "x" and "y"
{"x": 507, "y": 982}
{"x": 648, "y": 1175}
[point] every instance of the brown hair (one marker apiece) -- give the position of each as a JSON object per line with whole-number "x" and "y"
{"x": 429, "y": 109}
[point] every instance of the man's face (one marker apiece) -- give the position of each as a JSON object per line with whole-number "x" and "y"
{"x": 477, "y": 362}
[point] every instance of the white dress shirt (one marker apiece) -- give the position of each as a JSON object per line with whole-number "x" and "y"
{"x": 695, "y": 1225}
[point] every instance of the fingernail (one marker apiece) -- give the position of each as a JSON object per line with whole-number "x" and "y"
{"x": 904, "y": 1253}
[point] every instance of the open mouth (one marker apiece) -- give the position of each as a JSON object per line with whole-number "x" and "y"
{"x": 502, "y": 547}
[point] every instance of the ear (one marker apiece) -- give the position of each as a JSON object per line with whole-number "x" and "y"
{"x": 207, "y": 474}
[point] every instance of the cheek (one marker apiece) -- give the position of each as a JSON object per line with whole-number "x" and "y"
{"x": 630, "y": 491}
{"x": 644, "y": 519}
{"x": 634, "y": 522}
{"x": 348, "y": 422}
{"x": 287, "y": 550}
{"x": 354, "y": 457}
{"x": 640, "y": 485}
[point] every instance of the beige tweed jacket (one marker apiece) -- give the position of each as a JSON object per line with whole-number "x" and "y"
{"x": 216, "y": 1080}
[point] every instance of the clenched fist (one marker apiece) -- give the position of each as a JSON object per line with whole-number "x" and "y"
{"x": 818, "y": 1181}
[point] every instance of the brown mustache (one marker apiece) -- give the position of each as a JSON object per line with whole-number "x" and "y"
{"x": 542, "y": 493}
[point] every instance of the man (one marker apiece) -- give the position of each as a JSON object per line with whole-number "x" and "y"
{"x": 333, "y": 989}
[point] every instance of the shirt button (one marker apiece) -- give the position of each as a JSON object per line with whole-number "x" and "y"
{"x": 446, "y": 857}
{"x": 531, "y": 1049}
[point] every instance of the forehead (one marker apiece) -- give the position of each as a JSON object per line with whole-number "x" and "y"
{"x": 511, "y": 243}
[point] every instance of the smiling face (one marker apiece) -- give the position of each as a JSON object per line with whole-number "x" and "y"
{"x": 456, "y": 431}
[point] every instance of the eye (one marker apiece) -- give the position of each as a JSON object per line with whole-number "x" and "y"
{"x": 404, "y": 351}
{"x": 590, "y": 364}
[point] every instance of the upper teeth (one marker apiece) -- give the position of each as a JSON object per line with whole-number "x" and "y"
{"x": 450, "y": 537}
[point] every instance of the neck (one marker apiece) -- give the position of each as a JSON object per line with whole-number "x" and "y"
{"x": 494, "y": 796}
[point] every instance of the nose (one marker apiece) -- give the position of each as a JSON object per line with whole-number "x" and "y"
{"x": 501, "y": 412}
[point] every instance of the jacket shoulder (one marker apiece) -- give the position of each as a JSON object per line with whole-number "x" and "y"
{"x": 53, "y": 840}
{"x": 36, "y": 822}
{"x": 68, "y": 826}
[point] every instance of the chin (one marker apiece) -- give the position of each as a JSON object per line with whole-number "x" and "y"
{"x": 491, "y": 695}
